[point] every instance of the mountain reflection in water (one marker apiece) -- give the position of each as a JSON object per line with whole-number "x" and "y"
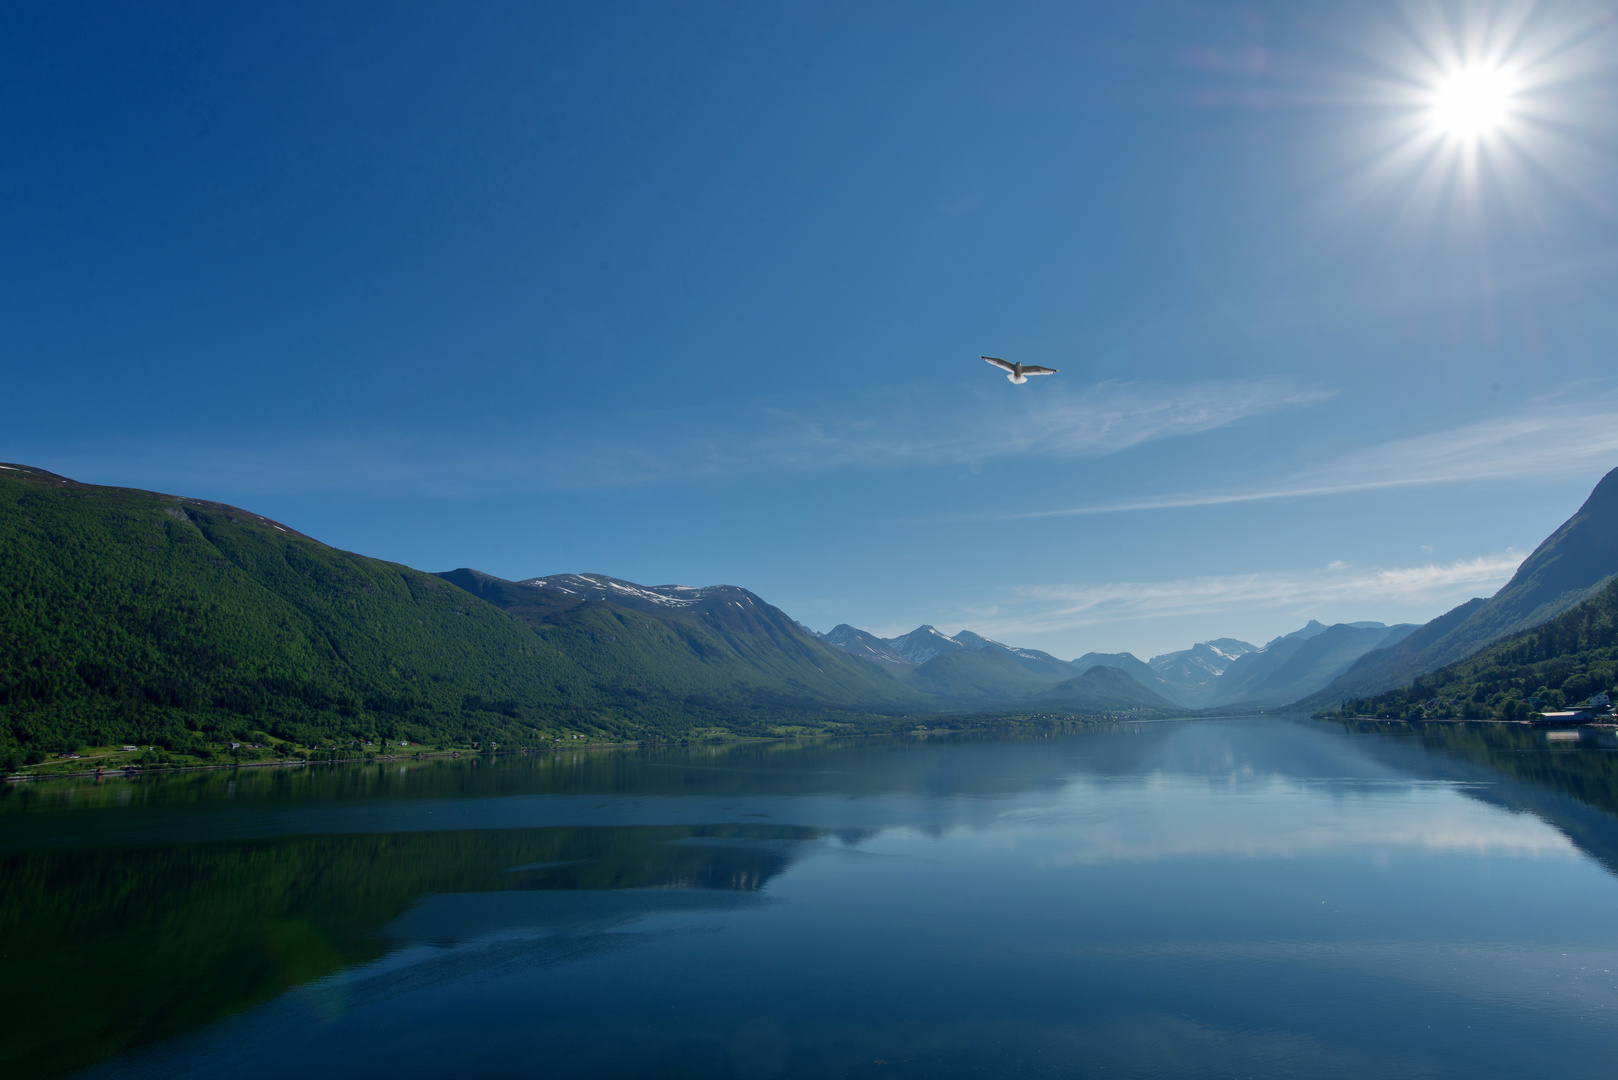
{"x": 172, "y": 937}
{"x": 142, "y": 913}
{"x": 1567, "y": 778}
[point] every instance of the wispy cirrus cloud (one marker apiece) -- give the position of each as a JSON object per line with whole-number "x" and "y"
{"x": 883, "y": 428}
{"x": 1558, "y": 435}
{"x": 1044, "y": 609}
{"x": 1105, "y": 419}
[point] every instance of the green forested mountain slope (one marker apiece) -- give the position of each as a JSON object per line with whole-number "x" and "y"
{"x": 132, "y": 616}
{"x": 716, "y": 651}
{"x": 721, "y": 649}
{"x": 1572, "y": 564}
{"x": 1137, "y": 669}
{"x": 860, "y": 643}
{"x": 1042, "y": 664}
{"x": 976, "y": 677}
{"x": 1105, "y": 687}
{"x": 995, "y": 677}
{"x": 129, "y": 615}
{"x": 1560, "y": 662}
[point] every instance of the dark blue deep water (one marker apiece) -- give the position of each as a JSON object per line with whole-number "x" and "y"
{"x": 1247, "y": 898}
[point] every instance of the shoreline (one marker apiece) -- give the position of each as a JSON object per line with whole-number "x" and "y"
{"x": 127, "y": 772}
{"x": 1609, "y": 723}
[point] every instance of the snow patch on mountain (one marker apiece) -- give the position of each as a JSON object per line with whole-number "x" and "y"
{"x": 922, "y": 644}
{"x": 602, "y": 587}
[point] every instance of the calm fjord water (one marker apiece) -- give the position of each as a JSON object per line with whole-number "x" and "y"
{"x": 1216, "y": 898}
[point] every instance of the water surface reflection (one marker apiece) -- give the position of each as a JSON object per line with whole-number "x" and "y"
{"x": 1269, "y": 897}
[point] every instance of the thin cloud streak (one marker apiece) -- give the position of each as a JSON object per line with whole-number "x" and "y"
{"x": 882, "y": 429}
{"x": 1053, "y": 608}
{"x": 1099, "y": 421}
{"x": 1550, "y": 437}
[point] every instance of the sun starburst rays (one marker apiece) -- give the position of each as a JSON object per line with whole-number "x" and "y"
{"x": 1467, "y": 119}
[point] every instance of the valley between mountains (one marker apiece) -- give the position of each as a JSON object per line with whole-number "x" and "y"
{"x": 133, "y": 616}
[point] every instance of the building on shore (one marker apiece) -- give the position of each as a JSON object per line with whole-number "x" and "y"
{"x": 1565, "y": 717}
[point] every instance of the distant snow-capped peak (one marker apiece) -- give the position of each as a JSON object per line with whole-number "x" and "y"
{"x": 600, "y": 586}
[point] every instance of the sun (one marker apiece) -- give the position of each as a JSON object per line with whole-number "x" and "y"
{"x": 1472, "y": 103}
{"x": 1472, "y": 115}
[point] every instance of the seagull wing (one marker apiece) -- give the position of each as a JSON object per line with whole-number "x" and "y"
{"x": 1001, "y": 364}
{"x": 1035, "y": 369}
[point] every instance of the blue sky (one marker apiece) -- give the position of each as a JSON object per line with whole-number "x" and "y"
{"x": 696, "y": 294}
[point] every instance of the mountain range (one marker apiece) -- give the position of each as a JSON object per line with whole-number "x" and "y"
{"x": 729, "y": 646}
{"x": 134, "y": 616}
{"x": 1551, "y": 665}
{"x": 1211, "y": 674}
{"x": 1320, "y": 667}
{"x": 1574, "y": 563}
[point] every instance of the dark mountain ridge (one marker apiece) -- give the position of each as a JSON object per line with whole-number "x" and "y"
{"x": 1102, "y": 686}
{"x": 1033, "y": 660}
{"x": 720, "y": 647}
{"x": 135, "y": 616}
{"x": 869, "y": 646}
{"x": 1317, "y": 660}
{"x": 1212, "y": 674}
{"x": 1557, "y": 663}
{"x": 1574, "y": 563}
{"x": 977, "y": 677}
{"x": 1196, "y": 672}
{"x": 969, "y": 670}
{"x": 1137, "y": 669}
{"x": 1251, "y": 669}
{"x": 922, "y": 644}
{"x": 131, "y": 615}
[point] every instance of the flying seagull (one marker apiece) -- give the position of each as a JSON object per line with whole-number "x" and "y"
{"x": 1018, "y": 373}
